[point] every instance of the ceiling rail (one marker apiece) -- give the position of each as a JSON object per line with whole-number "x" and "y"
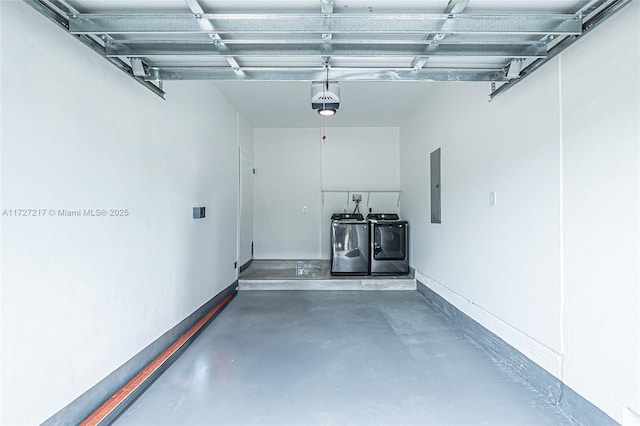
{"x": 335, "y": 73}
{"x": 205, "y": 48}
{"x": 589, "y": 25}
{"x": 317, "y": 23}
{"x": 369, "y": 39}
{"x": 62, "y": 21}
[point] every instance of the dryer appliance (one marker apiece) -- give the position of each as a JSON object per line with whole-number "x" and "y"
{"x": 389, "y": 248}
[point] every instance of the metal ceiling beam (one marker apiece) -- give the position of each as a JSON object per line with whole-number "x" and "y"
{"x": 160, "y": 48}
{"x": 368, "y": 39}
{"x": 218, "y": 43}
{"x": 589, "y": 25}
{"x": 63, "y": 22}
{"x": 454, "y": 6}
{"x": 316, "y": 74}
{"x": 320, "y": 23}
{"x": 592, "y": 6}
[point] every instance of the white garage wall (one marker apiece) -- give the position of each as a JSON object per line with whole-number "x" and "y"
{"x": 553, "y": 267}
{"x": 361, "y": 158}
{"x": 294, "y": 166}
{"x": 601, "y": 185}
{"x": 503, "y": 258}
{"x": 81, "y": 295}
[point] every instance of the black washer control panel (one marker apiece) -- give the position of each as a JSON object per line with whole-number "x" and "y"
{"x": 347, "y": 216}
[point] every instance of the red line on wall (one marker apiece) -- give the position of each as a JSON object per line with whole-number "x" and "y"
{"x": 120, "y": 396}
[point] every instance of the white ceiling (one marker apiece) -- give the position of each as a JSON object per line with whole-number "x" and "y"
{"x": 363, "y": 104}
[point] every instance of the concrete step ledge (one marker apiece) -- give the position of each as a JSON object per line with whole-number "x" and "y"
{"x": 330, "y": 284}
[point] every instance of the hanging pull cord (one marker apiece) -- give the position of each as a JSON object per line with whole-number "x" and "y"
{"x": 325, "y": 87}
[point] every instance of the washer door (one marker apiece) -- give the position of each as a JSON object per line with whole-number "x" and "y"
{"x": 350, "y": 247}
{"x": 390, "y": 242}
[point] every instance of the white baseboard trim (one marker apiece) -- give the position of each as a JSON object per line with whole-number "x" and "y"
{"x": 542, "y": 355}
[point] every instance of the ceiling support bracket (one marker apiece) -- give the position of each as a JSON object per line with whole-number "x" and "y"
{"x": 326, "y": 7}
{"x": 453, "y": 7}
{"x": 218, "y": 42}
{"x": 63, "y": 21}
{"x": 137, "y": 67}
{"x": 514, "y": 69}
{"x": 588, "y": 25}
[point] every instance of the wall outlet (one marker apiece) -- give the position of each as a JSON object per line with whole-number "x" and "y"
{"x": 356, "y": 198}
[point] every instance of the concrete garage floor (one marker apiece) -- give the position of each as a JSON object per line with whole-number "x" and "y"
{"x": 336, "y": 358}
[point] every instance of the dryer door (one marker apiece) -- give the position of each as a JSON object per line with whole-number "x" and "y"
{"x": 390, "y": 241}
